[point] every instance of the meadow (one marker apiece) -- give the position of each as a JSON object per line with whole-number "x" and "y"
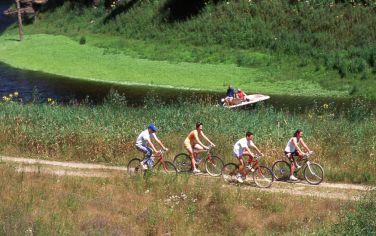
{"x": 63, "y": 56}
{"x": 344, "y": 141}
{"x": 34, "y": 204}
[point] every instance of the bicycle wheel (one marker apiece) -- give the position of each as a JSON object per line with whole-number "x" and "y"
{"x": 313, "y": 173}
{"x": 263, "y": 177}
{"x": 134, "y": 167}
{"x": 167, "y": 168}
{"x": 229, "y": 172}
{"x": 214, "y": 165}
{"x": 281, "y": 170}
{"x": 183, "y": 162}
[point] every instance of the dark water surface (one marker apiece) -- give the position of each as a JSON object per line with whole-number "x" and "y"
{"x": 31, "y": 85}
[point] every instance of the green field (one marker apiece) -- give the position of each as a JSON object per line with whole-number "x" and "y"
{"x": 62, "y": 56}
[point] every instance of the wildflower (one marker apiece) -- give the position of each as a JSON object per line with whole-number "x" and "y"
{"x": 325, "y": 106}
{"x": 15, "y": 94}
{"x": 4, "y": 98}
{"x": 10, "y": 95}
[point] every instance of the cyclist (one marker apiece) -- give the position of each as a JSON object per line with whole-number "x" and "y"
{"x": 242, "y": 148}
{"x": 292, "y": 149}
{"x": 144, "y": 145}
{"x": 194, "y": 145}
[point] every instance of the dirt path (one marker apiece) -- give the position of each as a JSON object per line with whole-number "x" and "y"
{"x": 340, "y": 191}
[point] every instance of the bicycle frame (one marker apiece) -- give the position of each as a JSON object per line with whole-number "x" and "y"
{"x": 160, "y": 157}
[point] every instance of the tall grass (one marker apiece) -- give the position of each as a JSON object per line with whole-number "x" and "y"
{"x": 344, "y": 141}
{"x": 34, "y": 204}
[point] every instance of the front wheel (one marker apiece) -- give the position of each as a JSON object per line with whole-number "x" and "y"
{"x": 134, "y": 167}
{"x": 313, "y": 173}
{"x": 167, "y": 168}
{"x": 281, "y": 170}
{"x": 263, "y": 177}
{"x": 214, "y": 165}
{"x": 183, "y": 162}
{"x": 230, "y": 172}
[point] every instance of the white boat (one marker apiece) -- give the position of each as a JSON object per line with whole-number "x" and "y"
{"x": 250, "y": 99}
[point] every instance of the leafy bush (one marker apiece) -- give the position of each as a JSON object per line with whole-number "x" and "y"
{"x": 82, "y": 40}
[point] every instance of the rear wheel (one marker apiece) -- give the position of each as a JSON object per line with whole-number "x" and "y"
{"x": 167, "y": 168}
{"x": 183, "y": 162}
{"x": 214, "y": 165}
{"x": 134, "y": 167}
{"x": 263, "y": 177}
{"x": 281, "y": 170}
{"x": 229, "y": 172}
{"x": 313, "y": 173}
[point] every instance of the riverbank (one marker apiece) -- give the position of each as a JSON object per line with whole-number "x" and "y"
{"x": 344, "y": 142}
{"x": 63, "y": 56}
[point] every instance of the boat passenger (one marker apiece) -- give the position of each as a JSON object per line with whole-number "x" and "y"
{"x": 230, "y": 95}
{"x": 241, "y": 95}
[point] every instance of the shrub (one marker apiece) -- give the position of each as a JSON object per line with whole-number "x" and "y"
{"x": 82, "y": 40}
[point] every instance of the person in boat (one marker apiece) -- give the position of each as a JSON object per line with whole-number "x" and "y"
{"x": 241, "y": 95}
{"x": 292, "y": 149}
{"x": 230, "y": 95}
{"x": 194, "y": 145}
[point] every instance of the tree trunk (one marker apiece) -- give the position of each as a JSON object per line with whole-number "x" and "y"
{"x": 20, "y": 28}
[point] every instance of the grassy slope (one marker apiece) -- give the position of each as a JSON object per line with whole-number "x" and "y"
{"x": 63, "y": 56}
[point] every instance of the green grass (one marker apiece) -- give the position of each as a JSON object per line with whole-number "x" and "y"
{"x": 344, "y": 141}
{"x": 63, "y": 56}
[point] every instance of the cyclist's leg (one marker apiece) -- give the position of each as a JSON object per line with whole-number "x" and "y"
{"x": 147, "y": 155}
{"x": 197, "y": 148}
{"x": 189, "y": 147}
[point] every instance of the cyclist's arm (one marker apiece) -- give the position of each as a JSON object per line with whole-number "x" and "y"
{"x": 305, "y": 145}
{"x": 255, "y": 147}
{"x": 160, "y": 143}
{"x": 204, "y": 136}
{"x": 152, "y": 145}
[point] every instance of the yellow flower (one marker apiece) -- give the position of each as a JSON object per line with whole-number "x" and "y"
{"x": 325, "y": 106}
{"x": 49, "y": 99}
{"x": 10, "y": 95}
{"x": 15, "y": 94}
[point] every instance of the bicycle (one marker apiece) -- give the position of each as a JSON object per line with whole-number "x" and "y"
{"x": 313, "y": 173}
{"x": 262, "y": 175}
{"x": 165, "y": 167}
{"x": 213, "y": 164}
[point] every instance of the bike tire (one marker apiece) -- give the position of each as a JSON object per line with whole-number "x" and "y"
{"x": 229, "y": 172}
{"x": 134, "y": 167}
{"x": 281, "y": 170}
{"x": 214, "y": 165}
{"x": 182, "y": 162}
{"x": 167, "y": 168}
{"x": 263, "y": 177}
{"x": 314, "y": 174}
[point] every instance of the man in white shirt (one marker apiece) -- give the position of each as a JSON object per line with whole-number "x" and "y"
{"x": 144, "y": 145}
{"x": 242, "y": 148}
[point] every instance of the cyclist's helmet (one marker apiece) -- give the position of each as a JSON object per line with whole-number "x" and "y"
{"x": 152, "y": 127}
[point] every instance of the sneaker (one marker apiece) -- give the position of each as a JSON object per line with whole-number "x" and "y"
{"x": 196, "y": 171}
{"x": 239, "y": 178}
{"x": 293, "y": 178}
{"x": 144, "y": 166}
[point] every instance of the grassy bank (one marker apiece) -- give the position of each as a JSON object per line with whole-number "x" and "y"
{"x": 63, "y": 56}
{"x": 344, "y": 142}
{"x": 35, "y": 204}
